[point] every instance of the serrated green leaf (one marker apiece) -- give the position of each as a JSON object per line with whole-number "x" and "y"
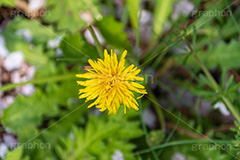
{"x": 33, "y": 54}
{"x": 204, "y": 80}
{"x": 39, "y": 32}
{"x": 230, "y": 82}
{"x": 101, "y": 134}
{"x": 28, "y": 111}
{"x": 71, "y": 21}
{"x": 75, "y": 47}
{"x": 224, "y": 55}
{"x": 66, "y": 14}
{"x": 113, "y": 32}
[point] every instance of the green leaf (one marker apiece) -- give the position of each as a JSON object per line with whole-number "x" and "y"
{"x": 78, "y": 49}
{"x": 15, "y": 154}
{"x": 156, "y": 137}
{"x": 203, "y": 19}
{"x": 225, "y": 55}
{"x": 46, "y": 70}
{"x": 66, "y": 96}
{"x": 233, "y": 88}
{"x": 113, "y": 32}
{"x": 162, "y": 11}
{"x": 71, "y": 21}
{"x": 230, "y": 82}
{"x": 99, "y": 134}
{"x": 8, "y": 3}
{"x": 205, "y": 93}
{"x": 223, "y": 78}
{"x": 33, "y": 54}
{"x": 133, "y": 8}
{"x": 204, "y": 80}
{"x": 39, "y": 32}
{"x": 26, "y": 113}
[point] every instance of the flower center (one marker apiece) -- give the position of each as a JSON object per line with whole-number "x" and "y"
{"x": 113, "y": 80}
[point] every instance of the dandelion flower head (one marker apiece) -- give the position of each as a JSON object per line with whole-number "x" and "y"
{"x": 110, "y": 84}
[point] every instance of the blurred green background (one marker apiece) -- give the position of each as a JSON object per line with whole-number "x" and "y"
{"x": 189, "y": 55}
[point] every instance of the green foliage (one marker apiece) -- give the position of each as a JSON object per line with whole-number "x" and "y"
{"x": 133, "y": 9}
{"x": 15, "y": 154}
{"x": 55, "y": 117}
{"x": 161, "y": 13}
{"x": 71, "y": 21}
{"x": 34, "y": 54}
{"x": 25, "y": 114}
{"x": 7, "y": 2}
{"x": 107, "y": 136}
{"x": 200, "y": 151}
{"x": 156, "y": 137}
{"x": 207, "y": 18}
{"x": 39, "y": 32}
{"x": 75, "y": 46}
{"x": 225, "y": 55}
{"x": 113, "y": 32}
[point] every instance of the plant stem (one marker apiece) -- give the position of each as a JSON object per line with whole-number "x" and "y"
{"x": 215, "y": 84}
{"x": 138, "y": 32}
{"x": 207, "y": 73}
{"x": 204, "y": 68}
{"x": 98, "y": 46}
{"x": 184, "y": 142}
{"x": 158, "y": 110}
{"x": 38, "y": 81}
{"x": 231, "y": 107}
{"x": 147, "y": 137}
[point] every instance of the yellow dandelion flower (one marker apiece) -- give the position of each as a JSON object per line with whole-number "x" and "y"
{"x": 110, "y": 84}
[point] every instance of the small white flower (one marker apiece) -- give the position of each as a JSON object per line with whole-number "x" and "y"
{"x": 3, "y": 150}
{"x": 146, "y": 17}
{"x": 54, "y": 43}
{"x": 9, "y": 100}
{"x": 178, "y": 156}
{"x": 183, "y": 7}
{"x": 30, "y": 72}
{"x": 13, "y": 61}
{"x": 10, "y": 140}
{"x": 3, "y": 49}
{"x": 221, "y": 106}
{"x": 2, "y": 106}
{"x": 27, "y": 90}
{"x": 72, "y": 136}
{"x": 16, "y": 77}
{"x": 8, "y": 130}
{"x": 35, "y": 4}
{"x": 88, "y": 36}
{"x": 86, "y": 16}
{"x": 59, "y": 52}
{"x": 117, "y": 155}
{"x": 26, "y": 34}
{"x": 149, "y": 118}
